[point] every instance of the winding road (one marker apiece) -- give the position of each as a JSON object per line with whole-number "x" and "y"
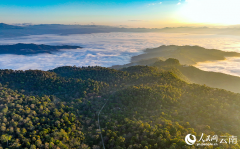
{"x": 99, "y": 123}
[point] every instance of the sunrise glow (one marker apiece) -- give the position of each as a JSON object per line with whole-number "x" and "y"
{"x": 211, "y": 11}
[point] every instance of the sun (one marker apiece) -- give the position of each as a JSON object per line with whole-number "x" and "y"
{"x": 211, "y": 11}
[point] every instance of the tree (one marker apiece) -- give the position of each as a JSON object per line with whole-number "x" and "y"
{"x": 172, "y": 61}
{"x": 4, "y": 110}
{"x": 32, "y": 147}
{"x": 16, "y": 144}
{"x": 38, "y": 142}
{"x": 6, "y": 138}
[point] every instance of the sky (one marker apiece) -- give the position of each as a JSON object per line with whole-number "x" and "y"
{"x": 128, "y": 13}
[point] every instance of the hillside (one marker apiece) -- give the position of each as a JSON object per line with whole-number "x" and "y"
{"x": 26, "y": 49}
{"x": 145, "y": 107}
{"x": 192, "y": 74}
{"x": 212, "y": 79}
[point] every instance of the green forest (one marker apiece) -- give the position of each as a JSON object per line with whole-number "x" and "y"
{"x": 145, "y": 107}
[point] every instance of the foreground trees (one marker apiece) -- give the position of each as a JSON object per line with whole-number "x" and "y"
{"x": 147, "y": 108}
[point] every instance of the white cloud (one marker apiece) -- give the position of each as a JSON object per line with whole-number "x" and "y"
{"x": 229, "y": 66}
{"x": 179, "y": 3}
{"x": 107, "y": 49}
{"x": 152, "y": 4}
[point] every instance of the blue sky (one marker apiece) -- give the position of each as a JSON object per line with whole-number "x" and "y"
{"x": 131, "y": 13}
{"x": 43, "y": 3}
{"x": 109, "y": 12}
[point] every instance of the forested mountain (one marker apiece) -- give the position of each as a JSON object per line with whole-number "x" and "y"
{"x": 146, "y": 107}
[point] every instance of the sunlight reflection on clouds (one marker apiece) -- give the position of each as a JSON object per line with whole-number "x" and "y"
{"x": 229, "y": 66}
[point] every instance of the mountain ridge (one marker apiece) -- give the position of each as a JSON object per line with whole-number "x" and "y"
{"x": 26, "y": 49}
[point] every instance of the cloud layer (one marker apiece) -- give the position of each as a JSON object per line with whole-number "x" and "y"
{"x": 107, "y": 49}
{"x": 229, "y": 66}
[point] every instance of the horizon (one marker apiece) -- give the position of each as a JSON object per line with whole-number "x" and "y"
{"x": 99, "y": 25}
{"x": 131, "y": 14}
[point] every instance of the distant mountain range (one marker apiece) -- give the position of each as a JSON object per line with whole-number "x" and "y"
{"x": 185, "y": 54}
{"x": 24, "y": 30}
{"x": 25, "y": 49}
{"x": 6, "y": 26}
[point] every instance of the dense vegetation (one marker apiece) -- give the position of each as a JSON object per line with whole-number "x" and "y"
{"x": 145, "y": 108}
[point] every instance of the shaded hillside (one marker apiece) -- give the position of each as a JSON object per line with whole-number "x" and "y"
{"x": 36, "y": 82}
{"x": 185, "y": 54}
{"x": 25, "y": 49}
{"x": 140, "y": 62}
{"x": 97, "y": 73}
{"x": 212, "y": 79}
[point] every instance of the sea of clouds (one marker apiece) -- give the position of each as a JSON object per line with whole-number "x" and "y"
{"x": 229, "y": 66}
{"x": 107, "y": 49}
